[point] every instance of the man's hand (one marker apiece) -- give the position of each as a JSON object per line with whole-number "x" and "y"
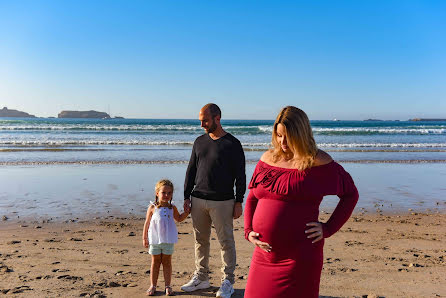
{"x": 145, "y": 242}
{"x": 238, "y": 210}
{"x": 187, "y": 206}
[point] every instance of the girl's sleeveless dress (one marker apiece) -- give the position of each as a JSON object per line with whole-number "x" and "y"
{"x": 279, "y": 205}
{"x": 162, "y": 228}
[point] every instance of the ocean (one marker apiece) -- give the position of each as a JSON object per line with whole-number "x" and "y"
{"x": 65, "y": 169}
{"x": 130, "y": 141}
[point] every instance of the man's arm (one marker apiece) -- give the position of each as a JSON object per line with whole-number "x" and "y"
{"x": 189, "y": 181}
{"x": 240, "y": 175}
{"x": 240, "y": 180}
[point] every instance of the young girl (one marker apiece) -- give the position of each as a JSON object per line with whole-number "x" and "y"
{"x": 161, "y": 232}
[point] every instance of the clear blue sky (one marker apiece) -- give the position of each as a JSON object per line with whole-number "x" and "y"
{"x": 165, "y": 59}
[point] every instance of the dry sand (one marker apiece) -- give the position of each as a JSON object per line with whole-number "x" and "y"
{"x": 373, "y": 255}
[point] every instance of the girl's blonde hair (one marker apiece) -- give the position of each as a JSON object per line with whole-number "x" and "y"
{"x": 299, "y": 138}
{"x": 159, "y": 184}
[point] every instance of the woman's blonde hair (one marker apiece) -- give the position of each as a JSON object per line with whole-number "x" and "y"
{"x": 159, "y": 184}
{"x": 299, "y": 137}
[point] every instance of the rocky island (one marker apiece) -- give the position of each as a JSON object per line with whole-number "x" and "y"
{"x": 427, "y": 119}
{"x": 83, "y": 114}
{"x": 5, "y": 112}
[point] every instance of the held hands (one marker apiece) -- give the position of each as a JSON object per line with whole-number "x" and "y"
{"x": 254, "y": 238}
{"x": 187, "y": 206}
{"x": 316, "y": 231}
{"x": 145, "y": 243}
{"x": 238, "y": 210}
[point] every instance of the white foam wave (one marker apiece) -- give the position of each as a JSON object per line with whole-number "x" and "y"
{"x": 133, "y": 142}
{"x": 383, "y": 145}
{"x": 90, "y": 142}
{"x": 380, "y": 130}
{"x": 266, "y": 129}
{"x": 98, "y": 127}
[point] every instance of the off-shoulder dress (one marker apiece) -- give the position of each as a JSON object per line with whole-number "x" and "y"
{"x": 280, "y": 203}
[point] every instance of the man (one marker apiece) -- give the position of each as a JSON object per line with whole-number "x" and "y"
{"x": 217, "y": 161}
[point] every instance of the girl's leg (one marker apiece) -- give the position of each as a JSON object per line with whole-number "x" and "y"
{"x": 167, "y": 269}
{"x": 155, "y": 269}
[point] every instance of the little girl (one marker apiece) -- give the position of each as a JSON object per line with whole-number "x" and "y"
{"x": 161, "y": 232}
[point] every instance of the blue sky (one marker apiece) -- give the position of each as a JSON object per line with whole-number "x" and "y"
{"x": 165, "y": 59}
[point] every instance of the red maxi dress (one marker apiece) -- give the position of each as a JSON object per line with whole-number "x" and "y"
{"x": 279, "y": 205}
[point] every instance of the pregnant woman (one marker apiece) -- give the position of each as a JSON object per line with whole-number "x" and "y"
{"x": 282, "y": 210}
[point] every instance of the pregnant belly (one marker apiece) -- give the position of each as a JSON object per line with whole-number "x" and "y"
{"x": 282, "y": 224}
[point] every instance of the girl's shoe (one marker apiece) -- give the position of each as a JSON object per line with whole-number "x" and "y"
{"x": 169, "y": 291}
{"x": 151, "y": 291}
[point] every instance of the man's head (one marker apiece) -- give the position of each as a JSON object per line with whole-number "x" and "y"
{"x": 209, "y": 117}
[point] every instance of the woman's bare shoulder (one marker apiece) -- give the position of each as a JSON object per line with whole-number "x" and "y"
{"x": 266, "y": 157}
{"x": 322, "y": 158}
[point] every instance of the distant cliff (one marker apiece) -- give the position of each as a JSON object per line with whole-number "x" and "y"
{"x": 83, "y": 114}
{"x": 14, "y": 113}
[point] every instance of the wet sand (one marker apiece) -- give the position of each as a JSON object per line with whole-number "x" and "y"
{"x": 372, "y": 256}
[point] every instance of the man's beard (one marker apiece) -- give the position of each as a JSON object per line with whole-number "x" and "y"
{"x": 212, "y": 128}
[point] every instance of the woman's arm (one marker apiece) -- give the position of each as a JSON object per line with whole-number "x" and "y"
{"x": 250, "y": 208}
{"x": 348, "y": 197}
{"x": 177, "y": 216}
{"x": 145, "y": 241}
{"x": 250, "y": 234}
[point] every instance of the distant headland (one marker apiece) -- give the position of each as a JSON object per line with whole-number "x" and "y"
{"x": 427, "y": 119}
{"x": 5, "y": 112}
{"x": 84, "y": 114}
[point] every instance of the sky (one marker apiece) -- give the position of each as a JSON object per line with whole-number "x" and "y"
{"x": 350, "y": 60}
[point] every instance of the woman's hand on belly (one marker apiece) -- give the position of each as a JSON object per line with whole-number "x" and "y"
{"x": 315, "y": 232}
{"x": 254, "y": 238}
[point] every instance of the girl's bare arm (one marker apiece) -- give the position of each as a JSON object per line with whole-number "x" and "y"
{"x": 177, "y": 216}
{"x": 149, "y": 213}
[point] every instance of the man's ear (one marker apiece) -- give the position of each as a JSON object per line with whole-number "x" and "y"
{"x": 217, "y": 119}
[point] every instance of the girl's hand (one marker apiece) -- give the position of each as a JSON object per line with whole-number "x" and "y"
{"x": 254, "y": 238}
{"x": 316, "y": 231}
{"x": 145, "y": 243}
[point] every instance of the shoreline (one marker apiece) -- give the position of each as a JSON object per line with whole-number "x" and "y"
{"x": 174, "y": 162}
{"x": 386, "y": 256}
{"x": 65, "y": 192}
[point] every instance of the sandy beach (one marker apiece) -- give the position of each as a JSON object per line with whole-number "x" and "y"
{"x": 372, "y": 256}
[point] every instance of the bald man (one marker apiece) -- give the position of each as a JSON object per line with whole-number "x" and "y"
{"x": 217, "y": 163}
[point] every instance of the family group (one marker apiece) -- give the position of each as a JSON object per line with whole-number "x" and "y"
{"x": 281, "y": 209}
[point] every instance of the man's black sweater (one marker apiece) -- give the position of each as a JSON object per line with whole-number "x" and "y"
{"x": 213, "y": 168}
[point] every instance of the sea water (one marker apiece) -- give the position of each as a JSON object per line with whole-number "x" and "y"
{"x": 69, "y": 168}
{"x": 41, "y": 140}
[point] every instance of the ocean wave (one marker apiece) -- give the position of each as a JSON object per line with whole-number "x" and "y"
{"x": 252, "y": 146}
{"x": 59, "y": 143}
{"x": 382, "y": 145}
{"x": 104, "y": 127}
{"x": 246, "y": 149}
{"x": 236, "y": 129}
{"x": 128, "y": 128}
{"x": 173, "y": 162}
{"x": 377, "y": 130}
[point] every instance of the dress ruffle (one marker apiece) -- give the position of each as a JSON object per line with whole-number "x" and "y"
{"x": 275, "y": 179}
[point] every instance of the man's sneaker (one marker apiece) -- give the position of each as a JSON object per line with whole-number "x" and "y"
{"x": 226, "y": 289}
{"x": 195, "y": 284}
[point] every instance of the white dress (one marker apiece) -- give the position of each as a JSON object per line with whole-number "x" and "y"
{"x": 162, "y": 228}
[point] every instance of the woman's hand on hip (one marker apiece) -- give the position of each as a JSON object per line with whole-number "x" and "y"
{"x": 254, "y": 238}
{"x": 315, "y": 232}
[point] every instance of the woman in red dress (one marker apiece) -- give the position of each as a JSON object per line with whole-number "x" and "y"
{"x": 282, "y": 210}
